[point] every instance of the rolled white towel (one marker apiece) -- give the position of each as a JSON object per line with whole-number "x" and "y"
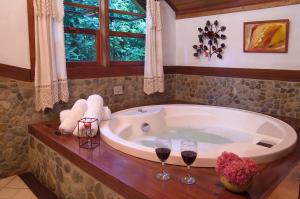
{"x": 69, "y": 124}
{"x": 94, "y": 110}
{"x": 106, "y": 113}
{"x": 64, "y": 115}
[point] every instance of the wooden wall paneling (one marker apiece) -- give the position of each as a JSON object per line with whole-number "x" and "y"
{"x": 264, "y": 74}
{"x": 197, "y": 8}
{"x": 128, "y": 63}
{"x": 14, "y": 72}
{"x": 92, "y": 70}
{"x": 203, "y": 5}
{"x": 126, "y": 34}
{"x": 136, "y": 68}
{"x": 77, "y": 72}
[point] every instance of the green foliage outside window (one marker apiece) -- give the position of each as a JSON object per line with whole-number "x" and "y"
{"x": 82, "y": 47}
{"x": 127, "y": 49}
{"x": 80, "y": 20}
{"x": 125, "y": 5}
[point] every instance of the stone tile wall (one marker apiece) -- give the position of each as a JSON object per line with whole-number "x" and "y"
{"x": 17, "y": 103}
{"x": 280, "y": 98}
{"x": 62, "y": 177}
{"x": 17, "y": 110}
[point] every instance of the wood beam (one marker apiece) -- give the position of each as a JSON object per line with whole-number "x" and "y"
{"x": 211, "y": 11}
{"x": 104, "y": 29}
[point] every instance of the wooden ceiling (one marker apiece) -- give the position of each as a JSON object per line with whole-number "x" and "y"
{"x": 193, "y": 8}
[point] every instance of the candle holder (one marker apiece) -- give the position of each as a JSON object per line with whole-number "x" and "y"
{"x": 86, "y": 138}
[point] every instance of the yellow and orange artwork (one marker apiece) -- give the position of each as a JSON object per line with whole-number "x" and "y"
{"x": 266, "y": 36}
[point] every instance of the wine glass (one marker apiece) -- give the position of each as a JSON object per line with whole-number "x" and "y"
{"x": 163, "y": 150}
{"x": 188, "y": 154}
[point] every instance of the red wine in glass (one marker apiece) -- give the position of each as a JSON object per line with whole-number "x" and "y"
{"x": 163, "y": 153}
{"x": 163, "y": 150}
{"x": 188, "y": 157}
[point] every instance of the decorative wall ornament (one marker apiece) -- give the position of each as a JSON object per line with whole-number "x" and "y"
{"x": 209, "y": 39}
{"x": 266, "y": 36}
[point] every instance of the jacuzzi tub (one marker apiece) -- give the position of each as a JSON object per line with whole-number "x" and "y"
{"x": 216, "y": 129}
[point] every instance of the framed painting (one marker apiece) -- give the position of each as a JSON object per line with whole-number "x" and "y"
{"x": 266, "y": 36}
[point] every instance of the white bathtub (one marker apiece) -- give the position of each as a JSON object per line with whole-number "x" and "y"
{"x": 216, "y": 129}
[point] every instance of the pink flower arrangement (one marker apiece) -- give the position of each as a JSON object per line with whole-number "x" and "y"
{"x": 238, "y": 171}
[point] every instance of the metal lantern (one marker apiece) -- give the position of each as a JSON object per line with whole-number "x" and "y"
{"x": 86, "y": 138}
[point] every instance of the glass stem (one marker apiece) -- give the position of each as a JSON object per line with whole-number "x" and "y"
{"x": 162, "y": 167}
{"x": 188, "y": 170}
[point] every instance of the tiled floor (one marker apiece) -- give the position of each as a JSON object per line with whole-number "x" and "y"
{"x": 14, "y": 188}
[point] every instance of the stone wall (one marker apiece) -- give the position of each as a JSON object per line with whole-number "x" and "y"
{"x": 17, "y": 110}
{"x": 17, "y": 103}
{"x": 62, "y": 177}
{"x": 280, "y": 98}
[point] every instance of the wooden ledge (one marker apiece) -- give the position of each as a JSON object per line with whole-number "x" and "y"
{"x": 251, "y": 73}
{"x": 135, "y": 178}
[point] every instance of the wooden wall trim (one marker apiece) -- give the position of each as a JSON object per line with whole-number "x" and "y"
{"x": 79, "y": 72}
{"x": 212, "y": 11}
{"x": 14, "y": 72}
{"x": 264, "y": 74}
{"x": 30, "y": 11}
{"x": 86, "y": 72}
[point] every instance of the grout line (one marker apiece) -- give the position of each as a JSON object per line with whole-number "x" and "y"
{"x": 8, "y": 182}
{"x": 15, "y": 188}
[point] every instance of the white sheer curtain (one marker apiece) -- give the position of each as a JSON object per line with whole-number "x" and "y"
{"x": 153, "y": 72}
{"x": 50, "y": 68}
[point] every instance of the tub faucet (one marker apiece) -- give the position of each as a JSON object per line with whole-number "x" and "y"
{"x": 141, "y": 110}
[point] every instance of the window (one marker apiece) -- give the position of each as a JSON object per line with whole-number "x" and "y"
{"x": 104, "y": 32}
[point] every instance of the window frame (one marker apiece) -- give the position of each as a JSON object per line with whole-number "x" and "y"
{"x": 102, "y": 37}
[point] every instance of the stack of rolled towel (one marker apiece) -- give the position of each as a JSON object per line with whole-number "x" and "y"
{"x": 90, "y": 108}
